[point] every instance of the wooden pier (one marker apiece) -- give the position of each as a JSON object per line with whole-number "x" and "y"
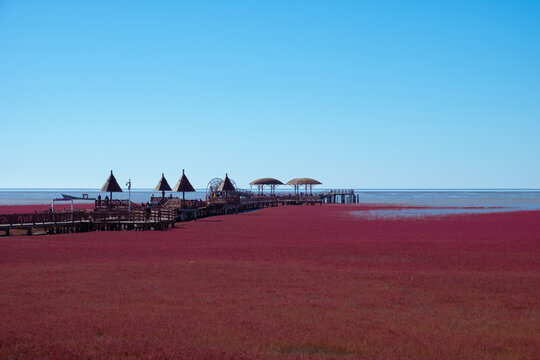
{"x": 86, "y": 220}
{"x": 117, "y": 216}
{"x": 343, "y": 196}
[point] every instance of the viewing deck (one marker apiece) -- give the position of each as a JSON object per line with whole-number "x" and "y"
{"x": 122, "y": 215}
{"x": 344, "y": 196}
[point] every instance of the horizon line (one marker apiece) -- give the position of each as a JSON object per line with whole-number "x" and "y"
{"x": 321, "y": 188}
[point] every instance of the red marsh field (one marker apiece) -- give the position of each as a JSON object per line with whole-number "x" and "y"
{"x": 287, "y": 282}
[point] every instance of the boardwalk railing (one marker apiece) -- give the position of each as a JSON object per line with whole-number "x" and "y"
{"x": 176, "y": 203}
{"x": 339, "y": 195}
{"x": 136, "y": 215}
{"x": 263, "y": 199}
{"x": 338, "y": 192}
{"x": 112, "y": 203}
{"x": 101, "y": 215}
{"x": 44, "y": 217}
{"x": 118, "y": 216}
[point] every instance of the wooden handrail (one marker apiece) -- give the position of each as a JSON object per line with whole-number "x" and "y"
{"x": 44, "y": 217}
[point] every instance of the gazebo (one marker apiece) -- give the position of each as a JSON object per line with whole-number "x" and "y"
{"x": 270, "y": 182}
{"x": 111, "y": 185}
{"x": 183, "y": 185}
{"x": 162, "y": 186}
{"x": 296, "y": 183}
{"x": 226, "y": 186}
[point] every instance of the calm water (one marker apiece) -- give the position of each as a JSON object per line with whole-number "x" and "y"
{"x": 508, "y": 200}
{"x": 447, "y": 202}
{"x": 522, "y": 199}
{"x": 45, "y": 196}
{"x": 429, "y": 212}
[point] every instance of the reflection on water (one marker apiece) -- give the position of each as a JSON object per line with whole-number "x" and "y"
{"x": 408, "y": 213}
{"x": 446, "y": 202}
{"x": 521, "y": 199}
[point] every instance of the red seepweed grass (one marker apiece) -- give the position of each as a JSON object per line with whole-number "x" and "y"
{"x": 287, "y": 282}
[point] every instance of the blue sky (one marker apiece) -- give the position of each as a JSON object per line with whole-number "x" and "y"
{"x": 381, "y": 94}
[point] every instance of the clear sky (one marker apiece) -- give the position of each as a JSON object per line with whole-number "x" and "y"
{"x": 369, "y": 94}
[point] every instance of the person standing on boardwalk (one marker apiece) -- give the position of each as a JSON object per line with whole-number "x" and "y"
{"x": 148, "y": 211}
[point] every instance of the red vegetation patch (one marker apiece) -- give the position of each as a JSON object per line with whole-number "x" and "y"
{"x": 288, "y": 282}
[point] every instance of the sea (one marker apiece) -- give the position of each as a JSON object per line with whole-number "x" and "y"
{"x": 434, "y": 201}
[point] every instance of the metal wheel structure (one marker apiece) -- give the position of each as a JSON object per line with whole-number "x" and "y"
{"x": 212, "y": 186}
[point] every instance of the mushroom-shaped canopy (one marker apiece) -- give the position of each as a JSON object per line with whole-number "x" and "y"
{"x": 111, "y": 185}
{"x": 226, "y": 185}
{"x": 303, "y": 181}
{"x": 183, "y": 185}
{"x": 266, "y": 181}
{"x": 162, "y": 185}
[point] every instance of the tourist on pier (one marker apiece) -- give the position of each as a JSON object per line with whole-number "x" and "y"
{"x": 148, "y": 212}
{"x": 99, "y": 200}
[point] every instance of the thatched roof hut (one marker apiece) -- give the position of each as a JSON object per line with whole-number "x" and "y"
{"x": 226, "y": 185}
{"x": 111, "y": 185}
{"x": 183, "y": 185}
{"x": 162, "y": 186}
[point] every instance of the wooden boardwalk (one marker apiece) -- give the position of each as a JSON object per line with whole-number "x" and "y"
{"x": 344, "y": 196}
{"x": 82, "y": 221}
{"x": 103, "y": 218}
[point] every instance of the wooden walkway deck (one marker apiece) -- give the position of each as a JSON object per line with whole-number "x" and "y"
{"x": 344, "y": 196}
{"x": 157, "y": 218}
{"x": 82, "y": 221}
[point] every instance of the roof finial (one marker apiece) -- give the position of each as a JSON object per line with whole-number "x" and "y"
{"x": 182, "y": 171}
{"x": 111, "y": 172}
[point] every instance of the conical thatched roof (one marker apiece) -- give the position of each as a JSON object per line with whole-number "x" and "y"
{"x": 226, "y": 185}
{"x": 162, "y": 185}
{"x": 111, "y": 185}
{"x": 303, "y": 181}
{"x": 183, "y": 185}
{"x": 266, "y": 181}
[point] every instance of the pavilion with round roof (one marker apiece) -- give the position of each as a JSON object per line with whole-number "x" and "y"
{"x": 269, "y": 182}
{"x": 297, "y": 182}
